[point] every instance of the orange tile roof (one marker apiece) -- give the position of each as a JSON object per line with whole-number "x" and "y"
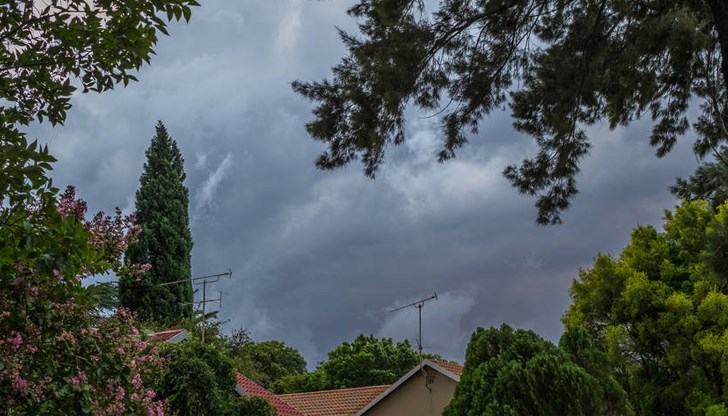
{"x": 253, "y": 389}
{"x": 163, "y": 336}
{"x": 454, "y": 368}
{"x": 343, "y": 402}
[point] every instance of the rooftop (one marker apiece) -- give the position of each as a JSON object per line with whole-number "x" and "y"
{"x": 251, "y": 388}
{"x": 342, "y": 402}
{"x": 454, "y": 368}
{"x": 172, "y": 335}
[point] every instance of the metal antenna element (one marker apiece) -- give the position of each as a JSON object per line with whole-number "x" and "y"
{"x": 203, "y": 280}
{"x": 418, "y": 304}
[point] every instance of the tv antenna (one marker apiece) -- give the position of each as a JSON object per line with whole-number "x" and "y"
{"x": 419, "y": 305}
{"x": 203, "y": 280}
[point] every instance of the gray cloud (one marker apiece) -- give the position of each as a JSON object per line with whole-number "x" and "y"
{"x": 319, "y": 257}
{"x": 205, "y": 195}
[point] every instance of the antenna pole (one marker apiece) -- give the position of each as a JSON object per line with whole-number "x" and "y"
{"x": 419, "y": 305}
{"x": 419, "y": 343}
{"x": 204, "y": 318}
{"x": 202, "y": 280}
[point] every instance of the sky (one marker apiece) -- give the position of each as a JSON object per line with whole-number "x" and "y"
{"x": 320, "y": 257}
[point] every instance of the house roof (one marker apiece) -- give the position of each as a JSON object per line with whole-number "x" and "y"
{"x": 454, "y": 368}
{"x": 172, "y": 336}
{"x": 450, "y": 370}
{"x": 251, "y": 388}
{"x": 342, "y": 402}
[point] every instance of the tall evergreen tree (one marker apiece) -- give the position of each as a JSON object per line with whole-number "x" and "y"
{"x": 165, "y": 242}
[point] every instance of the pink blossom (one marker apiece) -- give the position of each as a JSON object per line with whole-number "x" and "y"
{"x": 137, "y": 381}
{"x": 159, "y": 409}
{"x": 18, "y": 382}
{"x": 16, "y": 341}
{"x": 67, "y": 336}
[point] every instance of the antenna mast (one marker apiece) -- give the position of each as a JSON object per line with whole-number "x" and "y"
{"x": 419, "y": 305}
{"x": 203, "y": 280}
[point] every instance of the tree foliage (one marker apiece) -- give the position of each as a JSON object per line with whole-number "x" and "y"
{"x": 560, "y": 65}
{"x": 58, "y": 355}
{"x": 659, "y": 312}
{"x": 49, "y": 48}
{"x": 200, "y": 380}
{"x": 517, "y": 373}
{"x": 267, "y": 362}
{"x": 367, "y": 361}
{"x": 709, "y": 182}
{"x": 166, "y": 242}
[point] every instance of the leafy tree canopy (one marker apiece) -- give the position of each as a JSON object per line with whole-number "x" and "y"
{"x": 367, "y": 361}
{"x": 271, "y": 361}
{"x": 264, "y": 362}
{"x": 517, "y": 373}
{"x": 48, "y": 48}
{"x": 560, "y": 65}
{"x": 659, "y": 312}
{"x": 165, "y": 244}
{"x": 200, "y": 380}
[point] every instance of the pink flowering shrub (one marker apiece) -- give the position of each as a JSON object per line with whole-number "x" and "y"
{"x": 56, "y": 354}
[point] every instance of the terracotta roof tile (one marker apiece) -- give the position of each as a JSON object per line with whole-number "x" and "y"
{"x": 454, "y": 368}
{"x": 343, "y": 402}
{"x": 163, "y": 336}
{"x": 253, "y": 389}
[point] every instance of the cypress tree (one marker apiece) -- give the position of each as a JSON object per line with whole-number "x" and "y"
{"x": 165, "y": 242}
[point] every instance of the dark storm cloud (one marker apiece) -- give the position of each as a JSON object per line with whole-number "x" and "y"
{"x": 319, "y": 257}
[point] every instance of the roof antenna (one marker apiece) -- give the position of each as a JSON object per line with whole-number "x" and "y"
{"x": 203, "y": 280}
{"x": 418, "y": 304}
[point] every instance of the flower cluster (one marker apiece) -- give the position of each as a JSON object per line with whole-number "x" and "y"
{"x": 110, "y": 235}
